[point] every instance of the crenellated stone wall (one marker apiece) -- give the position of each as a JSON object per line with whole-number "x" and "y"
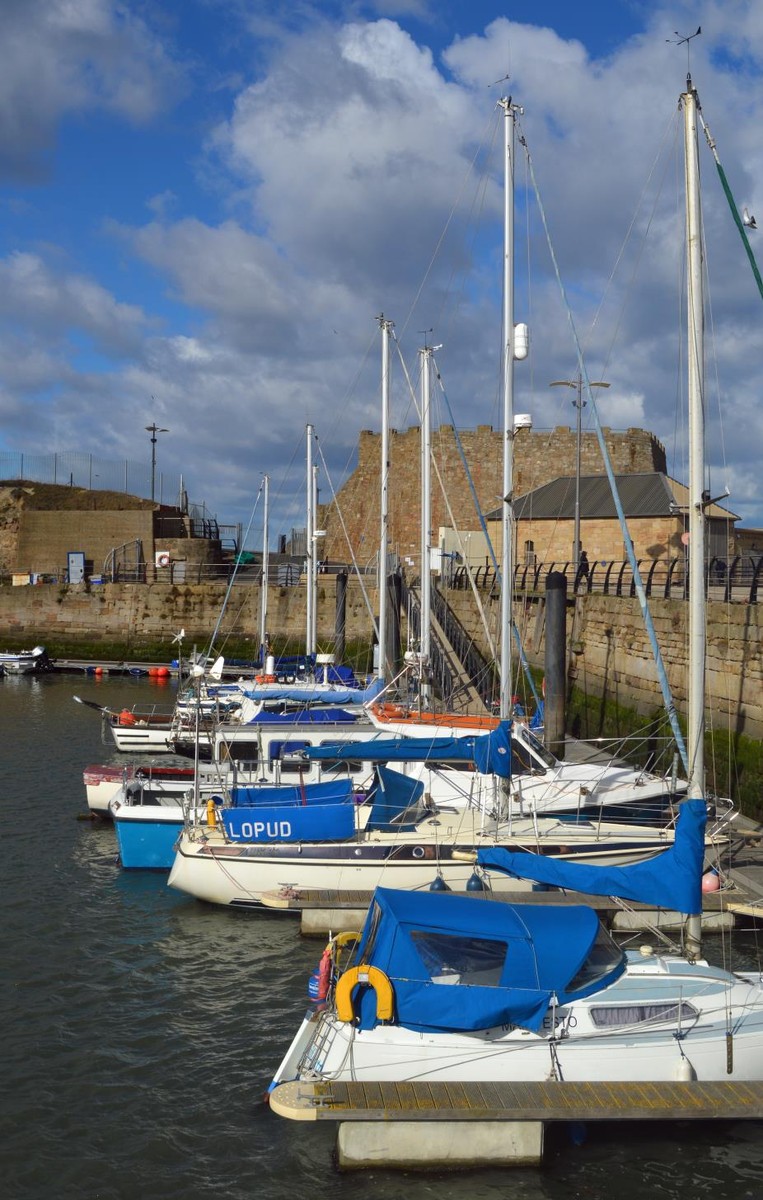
{"x": 539, "y": 457}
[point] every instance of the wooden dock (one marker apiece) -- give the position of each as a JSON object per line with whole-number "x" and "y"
{"x": 548, "y": 1101}
{"x": 325, "y": 911}
{"x": 83, "y": 666}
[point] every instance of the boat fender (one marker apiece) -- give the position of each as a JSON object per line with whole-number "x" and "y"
{"x": 126, "y": 717}
{"x": 324, "y": 973}
{"x": 684, "y": 1072}
{"x": 373, "y": 977}
{"x": 211, "y": 813}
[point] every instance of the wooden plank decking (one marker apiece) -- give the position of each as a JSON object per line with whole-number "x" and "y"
{"x": 352, "y": 1101}
{"x": 302, "y": 899}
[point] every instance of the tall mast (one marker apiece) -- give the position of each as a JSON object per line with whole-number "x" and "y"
{"x": 695, "y": 353}
{"x": 426, "y": 519}
{"x": 381, "y": 670}
{"x": 265, "y": 568}
{"x": 317, "y": 533}
{"x": 310, "y": 549}
{"x": 507, "y": 560}
{"x": 695, "y": 304}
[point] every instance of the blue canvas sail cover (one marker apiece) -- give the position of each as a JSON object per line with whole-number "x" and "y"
{"x": 464, "y": 964}
{"x": 311, "y": 693}
{"x": 337, "y": 791}
{"x": 490, "y": 752}
{"x": 672, "y": 879}
{"x": 392, "y": 796}
{"x": 306, "y": 716}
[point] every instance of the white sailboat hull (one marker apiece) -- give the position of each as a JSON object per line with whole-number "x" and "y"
{"x": 238, "y": 874}
{"x": 326, "y": 1048}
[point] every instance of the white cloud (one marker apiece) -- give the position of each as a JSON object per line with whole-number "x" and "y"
{"x": 61, "y": 57}
{"x": 343, "y": 186}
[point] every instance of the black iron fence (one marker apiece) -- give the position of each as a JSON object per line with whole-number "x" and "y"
{"x": 474, "y": 665}
{"x": 737, "y": 578}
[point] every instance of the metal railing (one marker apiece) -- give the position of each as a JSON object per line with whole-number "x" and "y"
{"x": 738, "y": 578}
{"x": 473, "y": 664}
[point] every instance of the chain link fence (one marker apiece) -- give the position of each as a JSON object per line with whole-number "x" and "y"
{"x": 75, "y": 469}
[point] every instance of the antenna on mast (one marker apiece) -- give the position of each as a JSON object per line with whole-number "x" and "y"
{"x": 681, "y": 41}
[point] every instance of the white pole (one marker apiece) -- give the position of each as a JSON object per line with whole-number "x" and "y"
{"x": 697, "y": 632}
{"x": 314, "y": 565}
{"x": 507, "y": 557}
{"x": 385, "y": 326}
{"x": 426, "y": 519}
{"x": 265, "y": 568}
{"x": 310, "y": 547}
{"x": 696, "y": 353}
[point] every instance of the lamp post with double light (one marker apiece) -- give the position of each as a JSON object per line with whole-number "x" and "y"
{"x": 579, "y": 404}
{"x": 154, "y": 430}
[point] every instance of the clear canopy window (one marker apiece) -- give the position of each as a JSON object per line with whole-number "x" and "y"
{"x": 454, "y": 958}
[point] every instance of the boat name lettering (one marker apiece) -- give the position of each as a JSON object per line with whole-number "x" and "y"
{"x": 252, "y": 830}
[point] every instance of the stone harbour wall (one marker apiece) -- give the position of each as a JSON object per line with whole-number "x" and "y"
{"x": 611, "y": 652}
{"x": 612, "y": 655}
{"x": 140, "y": 613}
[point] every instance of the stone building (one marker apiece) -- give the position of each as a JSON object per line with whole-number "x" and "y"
{"x": 41, "y": 525}
{"x": 655, "y": 506}
{"x": 539, "y": 458}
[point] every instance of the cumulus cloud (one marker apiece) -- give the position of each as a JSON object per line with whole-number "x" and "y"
{"x": 358, "y": 172}
{"x": 57, "y": 303}
{"x": 64, "y": 57}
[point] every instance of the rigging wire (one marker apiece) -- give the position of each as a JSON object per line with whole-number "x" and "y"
{"x": 637, "y": 580}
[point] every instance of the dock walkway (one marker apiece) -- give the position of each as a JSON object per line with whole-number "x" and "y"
{"x": 547, "y": 1101}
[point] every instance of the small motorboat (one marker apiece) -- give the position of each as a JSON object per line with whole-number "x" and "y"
{"x": 25, "y": 662}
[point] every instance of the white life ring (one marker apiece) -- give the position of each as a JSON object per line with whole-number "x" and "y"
{"x": 162, "y": 558}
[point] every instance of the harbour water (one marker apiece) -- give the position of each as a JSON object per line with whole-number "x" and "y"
{"x": 140, "y": 1028}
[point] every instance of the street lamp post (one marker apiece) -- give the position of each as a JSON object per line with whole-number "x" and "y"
{"x": 579, "y": 404}
{"x": 153, "y": 430}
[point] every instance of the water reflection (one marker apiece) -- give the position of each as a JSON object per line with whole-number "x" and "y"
{"x": 141, "y": 1027}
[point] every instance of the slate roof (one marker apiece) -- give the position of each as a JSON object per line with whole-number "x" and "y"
{"x": 650, "y": 494}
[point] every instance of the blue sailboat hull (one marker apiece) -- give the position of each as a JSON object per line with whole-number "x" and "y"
{"x": 147, "y": 844}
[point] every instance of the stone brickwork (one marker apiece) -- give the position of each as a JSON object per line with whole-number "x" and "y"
{"x": 539, "y": 457}
{"x": 138, "y": 613}
{"x": 45, "y": 538}
{"x": 602, "y": 539}
{"x": 612, "y": 657}
{"x": 41, "y": 523}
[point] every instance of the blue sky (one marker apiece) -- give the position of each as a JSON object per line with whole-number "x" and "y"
{"x": 204, "y": 205}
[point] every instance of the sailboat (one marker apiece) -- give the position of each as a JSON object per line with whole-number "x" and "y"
{"x": 212, "y": 866}
{"x": 448, "y": 988}
{"x": 439, "y": 987}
